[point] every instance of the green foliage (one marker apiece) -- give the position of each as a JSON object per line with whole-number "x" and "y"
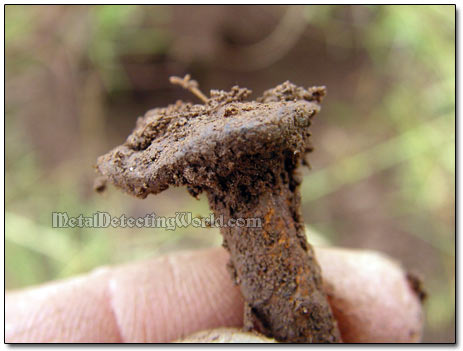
{"x": 19, "y": 23}
{"x": 115, "y": 32}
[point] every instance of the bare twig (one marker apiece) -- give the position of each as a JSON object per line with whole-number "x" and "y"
{"x": 189, "y": 84}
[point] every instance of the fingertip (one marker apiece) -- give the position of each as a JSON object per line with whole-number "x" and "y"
{"x": 371, "y": 297}
{"x": 173, "y": 296}
{"x": 73, "y": 310}
{"x": 157, "y": 300}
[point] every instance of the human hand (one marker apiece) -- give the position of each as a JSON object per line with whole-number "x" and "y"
{"x": 170, "y": 297}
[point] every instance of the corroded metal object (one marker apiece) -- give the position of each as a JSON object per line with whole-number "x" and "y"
{"x": 244, "y": 156}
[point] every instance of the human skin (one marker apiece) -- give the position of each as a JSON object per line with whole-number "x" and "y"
{"x": 170, "y": 297}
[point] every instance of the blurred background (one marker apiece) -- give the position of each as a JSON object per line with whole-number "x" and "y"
{"x": 383, "y": 170}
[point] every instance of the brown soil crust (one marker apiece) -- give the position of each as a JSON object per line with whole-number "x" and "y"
{"x": 244, "y": 156}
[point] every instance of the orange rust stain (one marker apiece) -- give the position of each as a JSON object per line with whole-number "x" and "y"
{"x": 265, "y": 234}
{"x": 268, "y": 217}
{"x": 267, "y": 223}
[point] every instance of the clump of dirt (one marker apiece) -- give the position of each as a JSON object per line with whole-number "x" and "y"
{"x": 244, "y": 156}
{"x": 416, "y": 283}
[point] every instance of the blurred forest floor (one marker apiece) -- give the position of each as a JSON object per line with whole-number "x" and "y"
{"x": 383, "y": 171}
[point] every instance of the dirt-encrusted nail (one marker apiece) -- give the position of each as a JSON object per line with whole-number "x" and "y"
{"x": 244, "y": 155}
